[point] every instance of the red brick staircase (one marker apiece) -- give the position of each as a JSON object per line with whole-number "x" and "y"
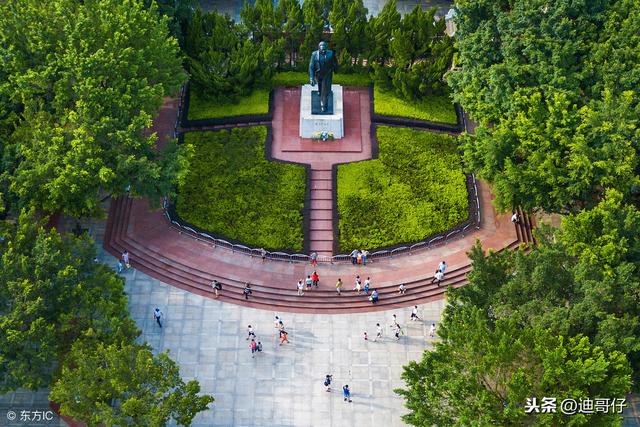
{"x": 321, "y": 221}
{"x": 269, "y": 293}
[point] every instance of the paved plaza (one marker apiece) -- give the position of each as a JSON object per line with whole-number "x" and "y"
{"x": 282, "y": 386}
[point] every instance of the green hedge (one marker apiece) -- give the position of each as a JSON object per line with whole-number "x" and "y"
{"x": 230, "y": 189}
{"x": 298, "y": 78}
{"x": 416, "y": 188}
{"x": 209, "y": 108}
{"x": 433, "y": 108}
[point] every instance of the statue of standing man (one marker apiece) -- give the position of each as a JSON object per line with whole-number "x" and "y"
{"x": 321, "y": 66}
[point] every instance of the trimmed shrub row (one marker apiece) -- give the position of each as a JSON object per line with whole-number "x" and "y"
{"x": 230, "y": 189}
{"x": 415, "y": 189}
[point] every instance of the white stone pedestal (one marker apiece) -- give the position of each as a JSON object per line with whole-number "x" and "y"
{"x": 314, "y": 123}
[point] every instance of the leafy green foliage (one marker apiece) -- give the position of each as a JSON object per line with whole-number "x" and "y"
{"x": 435, "y": 108}
{"x": 52, "y": 292}
{"x": 224, "y": 62}
{"x": 349, "y": 23}
{"x": 419, "y": 50}
{"x": 84, "y": 98}
{"x": 484, "y": 369}
{"x": 415, "y": 189}
{"x": 380, "y": 30}
{"x": 298, "y": 78}
{"x": 204, "y": 107}
{"x": 231, "y": 189}
{"x": 147, "y": 388}
{"x": 553, "y": 87}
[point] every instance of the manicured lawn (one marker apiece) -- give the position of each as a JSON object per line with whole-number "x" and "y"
{"x": 231, "y": 189}
{"x": 416, "y": 188}
{"x": 208, "y": 108}
{"x": 432, "y": 108}
{"x": 298, "y": 78}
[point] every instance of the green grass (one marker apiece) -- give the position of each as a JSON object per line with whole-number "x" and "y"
{"x": 432, "y": 108}
{"x": 208, "y": 108}
{"x": 416, "y": 188}
{"x": 298, "y": 78}
{"x": 232, "y": 190}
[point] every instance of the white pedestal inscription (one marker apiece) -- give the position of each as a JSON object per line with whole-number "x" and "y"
{"x": 314, "y": 123}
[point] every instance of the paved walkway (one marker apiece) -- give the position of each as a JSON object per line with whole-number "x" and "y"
{"x": 282, "y": 386}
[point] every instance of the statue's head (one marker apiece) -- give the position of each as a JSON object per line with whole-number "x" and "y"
{"x": 322, "y": 46}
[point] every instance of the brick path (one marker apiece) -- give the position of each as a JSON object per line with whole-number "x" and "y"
{"x": 321, "y": 156}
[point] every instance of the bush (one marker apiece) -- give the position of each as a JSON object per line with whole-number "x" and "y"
{"x": 415, "y": 189}
{"x": 298, "y": 78}
{"x": 205, "y": 107}
{"x": 433, "y": 108}
{"x": 232, "y": 190}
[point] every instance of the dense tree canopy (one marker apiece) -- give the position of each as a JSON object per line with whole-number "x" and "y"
{"x": 52, "y": 291}
{"x": 560, "y": 321}
{"x": 85, "y": 78}
{"x": 553, "y": 86}
{"x": 148, "y": 388}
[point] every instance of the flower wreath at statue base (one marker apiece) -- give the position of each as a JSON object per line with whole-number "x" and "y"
{"x": 323, "y": 136}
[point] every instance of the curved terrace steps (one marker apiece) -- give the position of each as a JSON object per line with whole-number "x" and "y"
{"x": 267, "y": 294}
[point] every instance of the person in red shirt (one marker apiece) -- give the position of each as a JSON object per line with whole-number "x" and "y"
{"x": 315, "y": 279}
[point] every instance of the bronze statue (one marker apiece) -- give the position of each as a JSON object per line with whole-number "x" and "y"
{"x": 321, "y": 67}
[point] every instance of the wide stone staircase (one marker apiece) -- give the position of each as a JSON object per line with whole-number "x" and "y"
{"x": 268, "y": 292}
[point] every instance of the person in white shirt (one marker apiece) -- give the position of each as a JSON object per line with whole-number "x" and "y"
{"x": 414, "y": 313}
{"x": 439, "y": 275}
{"x": 442, "y": 266}
{"x": 432, "y": 330}
{"x": 378, "y": 332}
{"x": 300, "y": 288}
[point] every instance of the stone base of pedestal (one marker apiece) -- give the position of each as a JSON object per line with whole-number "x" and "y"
{"x": 311, "y": 124}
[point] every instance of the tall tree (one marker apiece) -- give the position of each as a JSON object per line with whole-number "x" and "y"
{"x": 125, "y": 384}
{"x": 380, "y": 30}
{"x": 316, "y": 23}
{"x": 292, "y": 25}
{"x": 552, "y": 86}
{"x": 484, "y": 370}
{"x": 348, "y": 20}
{"x": 52, "y": 291}
{"x": 88, "y": 77}
{"x": 420, "y": 53}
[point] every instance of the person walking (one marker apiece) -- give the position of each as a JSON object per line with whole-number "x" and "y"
{"x": 364, "y": 254}
{"x": 283, "y": 336}
{"x": 308, "y": 281}
{"x": 327, "y": 382}
{"x": 367, "y": 284}
{"x": 315, "y": 279}
{"x": 247, "y": 290}
{"x": 339, "y": 286}
{"x": 374, "y": 296}
{"x": 398, "y": 331}
{"x": 432, "y": 330}
{"x": 414, "y": 313}
{"x": 263, "y": 254}
{"x": 300, "y": 287}
{"x": 402, "y": 289}
{"x": 438, "y": 275}
{"x": 378, "y": 332}
{"x": 157, "y": 314}
{"x": 120, "y": 266}
{"x": 250, "y": 334}
{"x": 125, "y": 259}
{"x": 358, "y": 286}
{"x": 217, "y": 287}
{"x": 354, "y": 257}
{"x": 254, "y": 347}
{"x": 346, "y": 393}
{"x": 314, "y": 259}
{"x": 279, "y": 324}
{"x": 442, "y": 267}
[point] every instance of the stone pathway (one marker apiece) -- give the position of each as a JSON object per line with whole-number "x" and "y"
{"x": 282, "y": 386}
